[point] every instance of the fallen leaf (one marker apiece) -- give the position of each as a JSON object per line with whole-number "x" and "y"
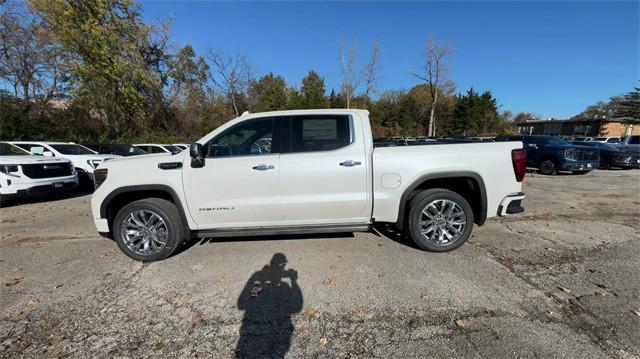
{"x": 636, "y": 311}
{"x": 13, "y": 282}
{"x": 424, "y": 295}
{"x": 460, "y": 323}
{"x": 255, "y": 291}
{"x": 324, "y": 341}
{"x": 359, "y": 309}
{"x": 196, "y": 318}
{"x": 304, "y": 332}
{"x": 15, "y": 315}
{"x": 329, "y": 281}
{"x": 332, "y": 267}
{"x": 566, "y": 290}
{"x": 188, "y": 296}
{"x": 221, "y": 280}
{"x": 311, "y": 314}
{"x": 32, "y": 302}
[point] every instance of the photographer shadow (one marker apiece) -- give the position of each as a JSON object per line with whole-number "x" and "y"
{"x": 269, "y": 299}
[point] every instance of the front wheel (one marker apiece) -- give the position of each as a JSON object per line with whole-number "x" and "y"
{"x": 149, "y": 229}
{"x": 547, "y": 167}
{"x": 439, "y": 220}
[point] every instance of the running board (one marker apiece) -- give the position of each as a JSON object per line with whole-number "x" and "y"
{"x": 271, "y": 231}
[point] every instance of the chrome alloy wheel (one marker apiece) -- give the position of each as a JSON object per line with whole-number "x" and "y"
{"x": 144, "y": 232}
{"x": 442, "y": 222}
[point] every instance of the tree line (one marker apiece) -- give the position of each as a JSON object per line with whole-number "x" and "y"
{"x": 93, "y": 70}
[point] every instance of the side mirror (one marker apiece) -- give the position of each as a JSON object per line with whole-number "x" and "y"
{"x": 197, "y": 155}
{"x": 47, "y": 154}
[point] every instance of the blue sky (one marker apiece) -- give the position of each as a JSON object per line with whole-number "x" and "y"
{"x": 552, "y": 58}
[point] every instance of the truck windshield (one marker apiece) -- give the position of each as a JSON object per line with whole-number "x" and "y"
{"x": 7, "y": 149}
{"x": 172, "y": 148}
{"x": 71, "y": 149}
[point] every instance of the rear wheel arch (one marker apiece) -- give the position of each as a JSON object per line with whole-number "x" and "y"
{"x": 469, "y": 185}
{"x": 122, "y": 196}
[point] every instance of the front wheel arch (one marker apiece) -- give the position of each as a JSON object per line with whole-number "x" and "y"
{"x": 122, "y": 196}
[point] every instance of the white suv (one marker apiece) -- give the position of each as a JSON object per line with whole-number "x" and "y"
{"x": 84, "y": 160}
{"x": 22, "y": 174}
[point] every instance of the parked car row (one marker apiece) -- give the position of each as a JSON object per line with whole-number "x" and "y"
{"x": 550, "y": 154}
{"x": 35, "y": 167}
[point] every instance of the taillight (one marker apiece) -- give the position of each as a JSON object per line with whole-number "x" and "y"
{"x": 519, "y": 159}
{"x": 100, "y": 175}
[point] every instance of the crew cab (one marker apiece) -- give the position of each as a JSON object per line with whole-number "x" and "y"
{"x": 84, "y": 160}
{"x": 306, "y": 171}
{"x": 22, "y": 174}
{"x": 551, "y": 154}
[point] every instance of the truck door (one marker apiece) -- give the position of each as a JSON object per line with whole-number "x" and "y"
{"x": 323, "y": 171}
{"x": 238, "y": 185}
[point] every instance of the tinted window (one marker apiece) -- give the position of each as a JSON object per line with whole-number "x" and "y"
{"x": 7, "y": 149}
{"x": 155, "y": 149}
{"x": 319, "y": 133}
{"x": 634, "y": 140}
{"x": 172, "y": 148}
{"x": 253, "y": 137}
{"x": 33, "y": 148}
{"x": 72, "y": 149}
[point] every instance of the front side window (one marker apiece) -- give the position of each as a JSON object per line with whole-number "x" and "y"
{"x": 253, "y": 137}
{"x": 319, "y": 133}
{"x": 634, "y": 140}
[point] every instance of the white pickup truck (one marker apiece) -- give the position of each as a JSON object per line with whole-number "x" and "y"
{"x": 307, "y": 171}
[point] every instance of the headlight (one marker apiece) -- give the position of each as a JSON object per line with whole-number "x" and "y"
{"x": 10, "y": 170}
{"x": 94, "y": 163}
{"x": 570, "y": 155}
{"x": 100, "y": 176}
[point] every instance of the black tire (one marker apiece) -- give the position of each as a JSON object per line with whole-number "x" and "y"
{"x": 580, "y": 172}
{"x": 420, "y": 202}
{"x": 604, "y": 164}
{"x": 168, "y": 212}
{"x": 548, "y": 168}
{"x": 85, "y": 183}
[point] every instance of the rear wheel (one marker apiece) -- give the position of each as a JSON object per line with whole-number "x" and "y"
{"x": 605, "y": 164}
{"x": 547, "y": 167}
{"x": 149, "y": 229}
{"x": 439, "y": 220}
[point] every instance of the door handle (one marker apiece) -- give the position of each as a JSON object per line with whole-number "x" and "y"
{"x": 350, "y": 163}
{"x": 263, "y": 167}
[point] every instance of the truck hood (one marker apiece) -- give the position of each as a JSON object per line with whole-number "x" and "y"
{"x": 27, "y": 160}
{"x": 152, "y": 158}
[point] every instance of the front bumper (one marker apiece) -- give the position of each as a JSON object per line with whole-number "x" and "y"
{"x": 26, "y": 191}
{"x": 511, "y": 204}
{"x": 578, "y": 165}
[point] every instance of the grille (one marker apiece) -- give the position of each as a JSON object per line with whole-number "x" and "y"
{"x": 47, "y": 170}
{"x": 587, "y": 155}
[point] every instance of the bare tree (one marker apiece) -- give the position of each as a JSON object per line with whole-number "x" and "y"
{"x": 29, "y": 61}
{"x": 350, "y": 80}
{"x": 370, "y": 72}
{"x": 433, "y": 74}
{"x": 231, "y": 74}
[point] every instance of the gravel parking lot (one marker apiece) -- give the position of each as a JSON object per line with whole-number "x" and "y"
{"x": 561, "y": 280}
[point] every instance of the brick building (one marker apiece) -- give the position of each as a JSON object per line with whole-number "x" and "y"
{"x": 581, "y": 127}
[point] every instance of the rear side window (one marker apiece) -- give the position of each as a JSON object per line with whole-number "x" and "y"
{"x": 634, "y": 140}
{"x": 319, "y": 133}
